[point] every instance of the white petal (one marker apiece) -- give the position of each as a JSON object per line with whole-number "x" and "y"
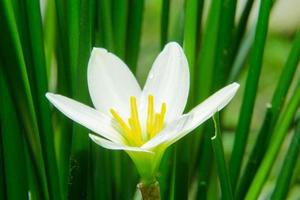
{"x": 115, "y": 146}
{"x": 188, "y": 122}
{"x": 110, "y": 82}
{"x": 86, "y": 116}
{"x": 168, "y": 81}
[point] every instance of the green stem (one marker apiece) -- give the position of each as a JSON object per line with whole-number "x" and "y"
{"x": 149, "y": 191}
{"x": 276, "y": 141}
{"x": 289, "y": 164}
{"x": 255, "y": 65}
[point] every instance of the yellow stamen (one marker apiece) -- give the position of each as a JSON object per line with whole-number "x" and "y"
{"x": 133, "y": 130}
{"x": 135, "y": 116}
{"x": 163, "y": 113}
{"x": 120, "y": 121}
{"x": 150, "y": 114}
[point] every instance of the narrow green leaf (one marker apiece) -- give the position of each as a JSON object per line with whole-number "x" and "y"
{"x": 224, "y": 38}
{"x": 289, "y": 164}
{"x": 15, "y": 72}
{"x": 134, "y": 29}
{"x": 276, "y": 141}
{"x": 206, "y": 163}
{"x": 218, "y": 149}
{"x": 40, "y": 85}
{"x": 207, "y": 53}
{"x": 119, "y": 24}
{"x": 106, "y": 24}
{"x": 250, "y": 91}
{"x": 271, "y": 117}
{"x": 12, "y": 147}
{"x": 239, "y": 31}
{"x": 164, "y": 24}
{"x": 255, "y": 156}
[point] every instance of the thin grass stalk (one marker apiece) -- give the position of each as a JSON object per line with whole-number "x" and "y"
{"x": 239, "y": 62}
{"x": 289, "y": 164}
{"x": 239, "y": 31}
{"x": 207, "y": 53}
{"x": 204, "y": 73}
{"x": 217, "y": 144}
{"x": 63, "y": 131}
{"x": 79, "y": 149}
{"x": 255, "y": 156}
{"x": 119, "y": 25}
{"x": 189, "y": 44}
{"x": 12, "y": 148}
{"x": 164, "y": 24}
{"x": 2, "y": 172}
{"x": 276, "y": 141}
{"x": 49, "y": 27}
{"x": 181, "y": 177}
{"x": 164, "y": 177}
{"x": 205, "y": 165}
{"x": 106, "y": 24}
{"x": 271, "y": 119}
{"x": 20, "y": 89}
{"x": 224, "y": 43}
{"x": 255, "y": 65}
{"x": 134, "y": 29}
{"x": 42, "y": 106}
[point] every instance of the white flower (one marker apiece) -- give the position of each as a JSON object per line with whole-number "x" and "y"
{"x": 141, "y": 122}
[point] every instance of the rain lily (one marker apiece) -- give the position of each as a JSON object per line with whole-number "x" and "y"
{"x": 141, "y": 122}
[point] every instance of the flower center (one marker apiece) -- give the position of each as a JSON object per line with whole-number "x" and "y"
{"x": 132, "y": 130}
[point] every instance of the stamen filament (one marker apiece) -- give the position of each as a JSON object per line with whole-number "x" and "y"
{"x": 150, "y": 114}
{"x": 135, "y": 116}
{"x": 133, "y": 130}
{"x": 120, "y": 121}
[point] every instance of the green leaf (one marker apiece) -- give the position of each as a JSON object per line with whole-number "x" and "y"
{"x": 284, "y": 178}
{"x": 217, "y": 145}
{"x": 255, "y": 65}
{"x": 280, "y": 130}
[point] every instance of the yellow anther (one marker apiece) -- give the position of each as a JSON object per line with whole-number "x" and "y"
{"x": 135, "y": 116}
{"x": 133, "y": 130}
{"x": 150, "y": 114}
{"x": 122, "y": 124}
{"x": 163, "y": 112}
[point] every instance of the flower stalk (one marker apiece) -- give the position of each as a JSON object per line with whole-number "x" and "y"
{"x": 149, "y": 191}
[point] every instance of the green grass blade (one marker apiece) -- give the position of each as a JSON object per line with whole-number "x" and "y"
{"x": 106, "y": 24}
{"x": 119, "y": 24}
{"x": 289, "y": 164}
{"x": 40, "y": 82}
{"x": 241, "y": 28}
{"x": 17, "y": 77}
{"x": 2, "y": 172}
{"x": 255, "y": 156}
{"x": 250, "y": 91}
{"x": 164, "y": 24}
{"x": 189, "y": 44}
{"x": 276, "y": 141}
{"x": 134, "y": 29}
{"x": 207, "y": 53}
{"x": 224, "y": 43}
{"x": 241, "y": 57}
{"x": 50, "y": 36}
{"x": 12, "y": 147}
{"x": 271, "y": 118}
{"x": 218, "y": 149}
{"x": 206, "y": 163}
{"x": 81, "y": 20}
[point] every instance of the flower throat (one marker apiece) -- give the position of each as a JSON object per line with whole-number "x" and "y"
{"x": 133, "y": 130}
